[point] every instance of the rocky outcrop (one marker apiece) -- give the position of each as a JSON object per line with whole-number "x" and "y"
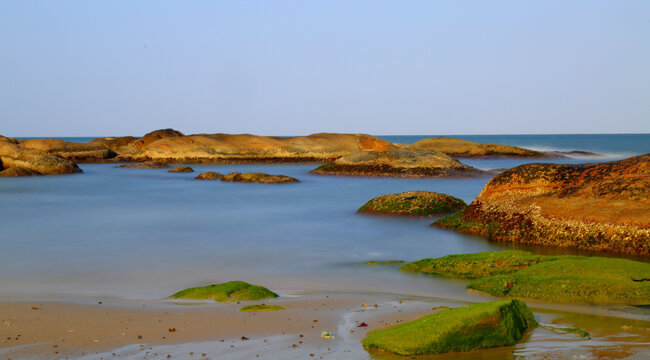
{"x": 601, "y": 206}
{"x": 414, "y": 203}
{"x": 181, "y": 169}
{"x": 16, "y": 159}
{"x": 260, "y": 178}
{"x": 468, "y": 149}
{"x": 209, "y": 175}
{"x": 397, "y": 162}
{"x": 78, "y": 152}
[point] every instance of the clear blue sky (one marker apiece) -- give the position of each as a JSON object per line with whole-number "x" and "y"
{"x": 94, "y": 68}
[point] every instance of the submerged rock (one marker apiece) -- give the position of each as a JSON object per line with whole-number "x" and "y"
{"x": 146, "y": 165}
{"x": 417, "y": 203}
{"x": 226, "y": 292}
{"x": 602, "y": 206}
{"x": 559, "y": 279}
{"x": 261, "y": 178}
{"x": 477, "y": 326}
{"x": 181, "y": 169}
{"x": 209, "y": 175}
{"x": 398, "y": 163}
{"x": 469, "y": 149}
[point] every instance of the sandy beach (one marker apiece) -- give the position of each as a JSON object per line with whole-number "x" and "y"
{"x": 195, "y": 330}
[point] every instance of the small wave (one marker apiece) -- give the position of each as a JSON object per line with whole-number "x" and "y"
{"x": 588, "y": 154}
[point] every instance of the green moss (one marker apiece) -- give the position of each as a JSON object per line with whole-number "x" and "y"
{"x": 477, "y": 265}
{"x": 573, "y": 330}
{"x": 419, "y": 203}
{"x": 384, "y": 262}
{"x": 562, "y": 279}
{"x": 229, "y": 291}
{"x": 261, "y": 307}
{"x": 478, "y": 326}
{"x": 594, "y": 280}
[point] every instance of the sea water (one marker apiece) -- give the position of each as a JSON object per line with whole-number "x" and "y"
{"x": 146, "y": 233}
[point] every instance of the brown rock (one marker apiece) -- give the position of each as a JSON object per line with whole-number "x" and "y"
{"x": 181, "y": 169}
{"x": 16, "y": 171}
{"x": 157, "y": 135}
{"x": 399, "y": 163}
{"x": 210, "y": 175}
{"x": 261, "y": 178}
{"x": 463, "y": 148}
{"x": 41, "y": 163}
{"x": 600, "y": 206}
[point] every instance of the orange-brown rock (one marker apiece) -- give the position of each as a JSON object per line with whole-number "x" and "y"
{"x": 260, "y": 178}
{"x": 469, "y": 149}
{"x": 397, "y": 162}
{"x": 209, "y": 175}
{"x": 601, "y": 206}
{"x": 157, "y": 135}
{"x": 16, "y": 171}
{"x": 146, "y": 165}
{"x": 224, "y": 148}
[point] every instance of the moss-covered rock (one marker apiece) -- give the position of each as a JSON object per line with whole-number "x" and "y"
{"x": 181, "y": 169}
{"x": 416, "y": 203}
{"x": 561, "y": 279}
{"x": 260, "y": 178}
{"x": 594, "y": 280}
{"x": 261, "y": 307}
{"x": 477, "y": 265}
{"x": 209, "y": 175}
{"x": 478, "y": 326}
{"x": 229, "y": 291}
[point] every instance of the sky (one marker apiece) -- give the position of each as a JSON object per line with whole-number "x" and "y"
{"x": 109, "y": 68}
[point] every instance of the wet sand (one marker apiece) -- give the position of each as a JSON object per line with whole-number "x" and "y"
{"x": 65, "y": 330}
{"x": 196, "y": 330}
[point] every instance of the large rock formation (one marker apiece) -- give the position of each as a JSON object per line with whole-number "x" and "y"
{"x": 397, "y": 162}
{"x": 16, "y": 159}
{"x": 172, "y": 146}
{"x": 469, "y": 149}
{"x": 589, "y": 206}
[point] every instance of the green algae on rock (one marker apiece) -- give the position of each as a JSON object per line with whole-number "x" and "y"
{"x": 226, "y": 292}
{"x": 260, "y": 178}
{"x": 579, "y": 280}
{"x": 601, "y": 206}
{"x": 181, "y": 169}
{"x": 416, "y": 203}
{"x": 477, "y": 265}
{"x": 209, "y": 175}
{"x": 477, "y": 326}
{"x": 261, "y": 307}
{"x": 561, "y": 279}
